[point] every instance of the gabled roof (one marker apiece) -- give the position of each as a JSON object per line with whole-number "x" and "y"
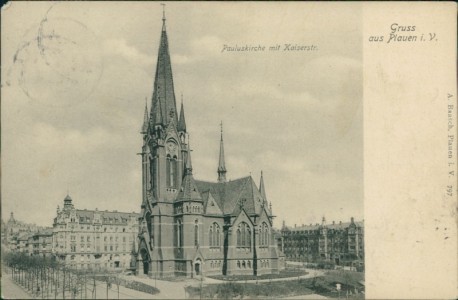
{"x": 210, "y": 204}
{"x": 230, "y": 195}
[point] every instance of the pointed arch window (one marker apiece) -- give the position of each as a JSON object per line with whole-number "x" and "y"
{"x": 243, "y": 235}
{"x": 152, "y": 174}
{"x": 196, "y": 234}
{"x": 210, "y": 237}
{"x": 214, "y": 235}
{"x": 264, "y": 235}
{"x": 179, "y": 234}
{"x": 171, "y": 171}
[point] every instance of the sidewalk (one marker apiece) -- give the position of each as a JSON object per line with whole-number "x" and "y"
{"x": 10, "y": 290}
{"x": 311, "y": 274}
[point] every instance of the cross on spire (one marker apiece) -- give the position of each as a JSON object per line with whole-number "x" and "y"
{"x": 163, "y": 13}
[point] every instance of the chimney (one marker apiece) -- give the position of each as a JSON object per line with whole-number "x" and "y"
{"x": 294, "y": 225}
{"x": 333, "y": 222}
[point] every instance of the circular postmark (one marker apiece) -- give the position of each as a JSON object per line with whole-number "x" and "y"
{"x": 59, "y": 63}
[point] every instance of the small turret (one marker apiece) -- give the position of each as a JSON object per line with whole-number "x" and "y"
{"x": 181, "y": 122}
{"x": 68, "y": 202}
{"x": 144, "y": 129}
{"x": 262, "y": 189}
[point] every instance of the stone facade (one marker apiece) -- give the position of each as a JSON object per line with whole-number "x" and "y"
{"x": 190, "y": 227}
{"x": 341, "y": 243}
{"x": 93, "y": 239}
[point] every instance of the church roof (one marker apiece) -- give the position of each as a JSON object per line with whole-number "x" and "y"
{"x": 189, "y": 189}
{"x": 231, "y": 195}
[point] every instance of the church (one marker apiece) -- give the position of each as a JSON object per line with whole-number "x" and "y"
{"x": 189, "y": 227}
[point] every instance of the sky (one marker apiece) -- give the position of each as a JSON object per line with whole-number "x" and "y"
{"x": 76, "y": 75}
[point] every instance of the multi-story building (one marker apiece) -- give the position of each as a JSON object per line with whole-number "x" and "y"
{"x": 341, "y": 243}
{"x": 93, "y": 239}
{"x": 41, "y": 243}
{"x": 188, "y": 226}
{"x": 23, "y": 242}
{"x": 14, "y": 228}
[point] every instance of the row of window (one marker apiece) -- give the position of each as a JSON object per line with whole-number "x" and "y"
{"x": 82, "y": 248}
{"x": 215, "y": 264}
{"x": 116, "y": 264}
{"x": 97, "y": 228}
{"x": 243, "y": 235}
{"x": 329, "y": 231}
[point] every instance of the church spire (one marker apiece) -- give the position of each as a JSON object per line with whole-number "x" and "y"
{"x": 145, "y": 119}
{"x": 222, "y": 165}
{"x": 164, "y": 106}
{"x": 262, "y": 189}
{"x": 182, "y": 121}
{"x": 188, "y": 168}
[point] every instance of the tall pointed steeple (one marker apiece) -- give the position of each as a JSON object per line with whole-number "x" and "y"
{"x": 221, "y": 165}
{"x": 145, "y": 119}
{"x": 188, "y": 168}
{"x": 182, "y": 121}
{"x": 262, "y": 188}
{"x": 164, "y": 104}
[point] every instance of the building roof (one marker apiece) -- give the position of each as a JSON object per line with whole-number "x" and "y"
{"x": 47, "y": 231}
{"x": 336, "y": 226}
{"x": 107, "y": 217}
{"x": 232, "y": 195}
{"x": 24, "y": 236}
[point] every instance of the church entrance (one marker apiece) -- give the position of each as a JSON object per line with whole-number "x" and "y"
{"x": 145, "y": 260}
{"x": 145, "y": 267}
{"x": 197, "y": 267}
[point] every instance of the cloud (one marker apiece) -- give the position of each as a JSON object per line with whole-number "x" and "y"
{"x": 130, "y": 53}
